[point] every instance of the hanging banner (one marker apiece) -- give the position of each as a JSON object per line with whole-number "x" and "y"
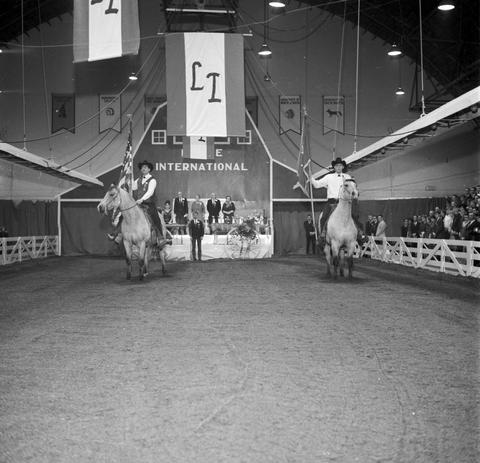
{"x": 63, "y": 112}
{"x": 198, "y": 148}
{"x": 109, "y": 108}
{"x": 205, "y": 84}
{"x": 290, "y": 108}
{"x": 104, "y": 29}
{"x": 333, "y": 114}
{"x": 151, "y": 104}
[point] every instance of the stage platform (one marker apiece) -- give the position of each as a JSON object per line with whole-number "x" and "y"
{"x": 221, "y": 247}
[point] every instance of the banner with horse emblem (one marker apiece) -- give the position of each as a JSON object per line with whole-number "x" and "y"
{"x": 63, "y": 112}
{"x": 205, "y": 85}
{"x": 104, "y": 29}
{"x": 333, "y": 114}
{"x": 109, "y": 107}
{"x": 290, "y": 110}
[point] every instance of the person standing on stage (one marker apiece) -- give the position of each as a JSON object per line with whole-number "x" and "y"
{"x": 197, "y": 209}
{"x": 213, "y": 208}
{"x": 332, "y": 182}
{"x": 180, "y": 210}
{"x": 196, "y": 230}
{"x": 309, "y": 227}
{"x": 228, "y": 210}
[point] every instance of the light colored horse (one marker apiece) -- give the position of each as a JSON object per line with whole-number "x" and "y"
{"x": 135, "y": 228}
{"x": 341, "y": 237}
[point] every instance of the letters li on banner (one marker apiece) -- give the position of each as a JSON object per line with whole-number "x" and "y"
{"x": 205, "y": 85}
{"x": 104, "y": 29}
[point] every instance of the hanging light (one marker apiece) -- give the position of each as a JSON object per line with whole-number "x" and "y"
{"x": 267, "y": 77}
{"x": 277, "y": 4}
{"x": 394, "y": 51}
{"x": 446, "y": 5}
{"x": 399, "y": 91}
{"x": 264, "y": 50}
{"x": 133, "y": 76}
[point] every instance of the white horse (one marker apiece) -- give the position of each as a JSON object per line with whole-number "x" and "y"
{"x": 135, "y": 228}
{"x": 341, "y": 234}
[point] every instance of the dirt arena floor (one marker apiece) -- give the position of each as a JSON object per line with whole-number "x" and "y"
{"x": 237, "y": 361}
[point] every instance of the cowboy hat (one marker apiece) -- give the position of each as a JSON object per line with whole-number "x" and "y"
{"x": 145, "y": 163}
{"x": 340, "y": 161}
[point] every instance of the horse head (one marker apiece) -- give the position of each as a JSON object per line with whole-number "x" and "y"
{"x": 349, "y": 190}
{"x": 110, "y": 201}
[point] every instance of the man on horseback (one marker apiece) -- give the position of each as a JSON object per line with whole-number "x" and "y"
{"x": 144, "y": 188}
{"x": 144, "y": 193}
{"x": 332, "y": 182}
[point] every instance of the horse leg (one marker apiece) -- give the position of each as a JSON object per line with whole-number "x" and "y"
{"x": 335, "y": 252}
{"x": 141, "y": 259}
{"x": 328, "y": 258}
{"x": 342, "y": 261}
{"x": 162, "y": 260}
{"x": 128, "y": 258}
{"x": 350, "y": 260}
{"x": 146, "y": 260}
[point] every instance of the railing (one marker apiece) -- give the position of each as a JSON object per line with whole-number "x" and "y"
{"x": 456, "y": 257}
{"x": 21, "y": 248}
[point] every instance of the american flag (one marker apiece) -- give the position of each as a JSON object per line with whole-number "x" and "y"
{"x": 126, "y": 175}
{"x": 303, "y": 163}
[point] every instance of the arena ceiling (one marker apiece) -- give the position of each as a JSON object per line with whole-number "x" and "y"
{"x": 451, "y": 40}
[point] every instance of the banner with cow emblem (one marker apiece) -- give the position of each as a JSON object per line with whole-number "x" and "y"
{"x": 205, "y": 84}
{"x": 333, "y": 114}
{"x": 63, "y": 112}
{"x": 110, "y": 110}
{"x": 104, "y": 29}
{"x": 290, "y": 114}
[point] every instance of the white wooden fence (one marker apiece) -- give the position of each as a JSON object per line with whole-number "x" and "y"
{"x": 456, "y": 257}
{"x": 20, "y": 248}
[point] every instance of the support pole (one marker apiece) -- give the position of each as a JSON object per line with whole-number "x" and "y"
{"x": 59, "y": 226}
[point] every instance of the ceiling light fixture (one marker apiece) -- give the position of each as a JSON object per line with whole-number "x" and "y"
{"x": 264, "y": 50}
{"x": 277, "y": 4}
{"x": 446, "y": 5}
{"x": 394, "y": 50}
{"x": 133, "y": 76}
{"x": 399, "y": 91}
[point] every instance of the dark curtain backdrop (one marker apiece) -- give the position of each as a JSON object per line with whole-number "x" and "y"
{"x": 29, "y": 218}
{"x": 84, "y": 230}
{"x": 289, "y": 217}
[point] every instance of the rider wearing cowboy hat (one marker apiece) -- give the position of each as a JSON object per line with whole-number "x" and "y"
{"x": 144, "y": 187}
{"x": 332, "y": 182}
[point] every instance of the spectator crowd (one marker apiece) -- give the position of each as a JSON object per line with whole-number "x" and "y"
{"x": 460, "y": 220}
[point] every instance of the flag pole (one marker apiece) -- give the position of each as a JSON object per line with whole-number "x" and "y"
{"x": 305, "y": 126}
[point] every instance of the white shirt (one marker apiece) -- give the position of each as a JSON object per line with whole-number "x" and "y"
{"x": 332, "y": 182}
{"x": 151, "y": 187}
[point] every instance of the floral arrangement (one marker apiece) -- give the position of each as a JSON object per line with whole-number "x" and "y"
{"x": 247, "y": 228}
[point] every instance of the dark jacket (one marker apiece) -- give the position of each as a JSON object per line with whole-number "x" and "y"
{"x": 214, "y": 208}
{"x": 309, "y": 227}
{"x": 180, "y": 207}
{"x": 196, "y": 229}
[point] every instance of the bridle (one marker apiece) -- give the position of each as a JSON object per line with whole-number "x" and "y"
{"x": 342, "y": 189}
{"x": 127, "y": 208}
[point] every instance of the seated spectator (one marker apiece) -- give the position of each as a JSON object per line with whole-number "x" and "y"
{"x": 228, "y": 210}
{"x": 3, "y": 232}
